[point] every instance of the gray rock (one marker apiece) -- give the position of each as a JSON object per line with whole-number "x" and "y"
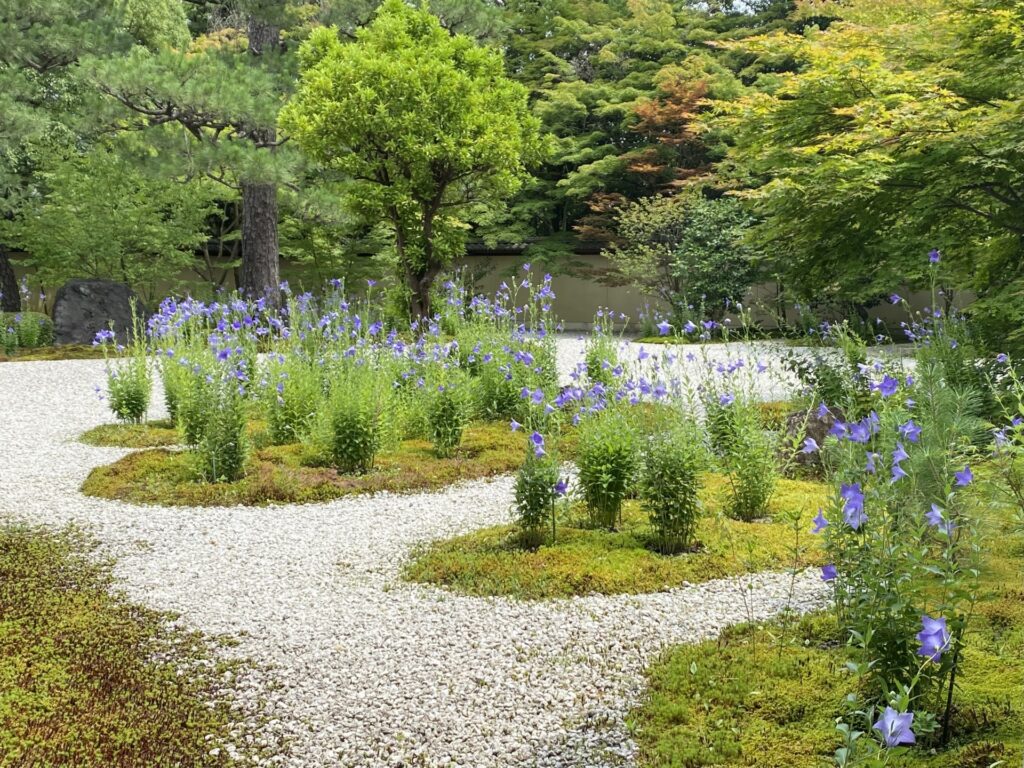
{"x": 84, "y": 307}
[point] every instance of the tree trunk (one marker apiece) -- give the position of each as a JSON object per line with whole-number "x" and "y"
{"x": 10, "y": 297}
{"x": 260, "y": 251}
{"x": 421, "y": 281}
{"x": 260, "y": 269}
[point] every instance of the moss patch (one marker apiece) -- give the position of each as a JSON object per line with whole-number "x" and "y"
{"x": 584, "y": 561}
{"x": 287, "y": 474}
{"x": 153, "y": 434}
{"x": 89, "y": 680}
{"x": 768, "y": 696}
{"x": 63, "y": 352}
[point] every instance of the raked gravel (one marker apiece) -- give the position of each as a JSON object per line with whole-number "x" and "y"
{"x": 355, "y": 667}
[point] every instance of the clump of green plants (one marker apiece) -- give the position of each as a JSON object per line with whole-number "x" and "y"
{"x": 448, "y": 409}
{"x": 129, "y": 376}
{"x": 350, "y": 431}
{"x": 174, "y": 374}
{"x": 291, "y": 397}
{"x": 538, "y": 486}
{"x": 750, "y": 462}
{"x": 609, "y": 456}
{"x": 669, "y": 486}
{"x": 223, "y": 444}
{"x": 602, "y": 350}
{"x": 25, "y": 330}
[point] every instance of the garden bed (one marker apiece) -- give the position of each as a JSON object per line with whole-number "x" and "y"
{"x": 152, "y": 434}
{"x": 584, "y": 560}
{"x": 769, "y": 696}
{"x": 91, "y": 680}
{"x": 63, "y": 352}
{"x": 288, "y": 474}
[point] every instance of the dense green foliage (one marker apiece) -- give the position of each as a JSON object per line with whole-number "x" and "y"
{"x": 424, "y": 125}
{"x": 821, "y": 144}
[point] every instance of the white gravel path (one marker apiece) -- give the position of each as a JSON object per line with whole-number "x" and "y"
{"x": 362, "y": 669}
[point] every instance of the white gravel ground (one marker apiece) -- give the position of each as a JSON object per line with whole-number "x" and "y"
{"x": 357, "y": 667}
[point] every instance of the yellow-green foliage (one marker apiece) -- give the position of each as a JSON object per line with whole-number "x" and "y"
{"x": 288, "y": 473}
{"x": 153, "y": 434}
{"x": 584, "y": 560}
{"x": 774, "y": 412}
{"x": 768, "y": 697}
{"x": 88, "y": 679}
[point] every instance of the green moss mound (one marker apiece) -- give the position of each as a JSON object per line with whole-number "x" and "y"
{"x": 767, "y": 697}
{"x": 288, "y": 474}
{"x": 585, "y": 561}
{"x": 153, "y": 434}
{"x": 88, "y": 679}
{"x": 63, "y": 352}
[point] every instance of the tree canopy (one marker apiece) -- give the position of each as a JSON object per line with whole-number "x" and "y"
{"x": 855, "y": 135}
{"x": 425, "y": 127}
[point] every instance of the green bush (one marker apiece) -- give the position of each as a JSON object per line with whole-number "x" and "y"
{"x": 608, "y": 461}
{"x": 26, "y": 330}
{"x": 669, "y": 486}
{"x": 293, "y": 392}
{"x": 750, "y": 464}
{"x": 447, "y": 415}
{"x": 223, "y": 446}
{"x": 353, "y": 425}
{"x": 129, "y": 385}
{"x": 535, "y": 496}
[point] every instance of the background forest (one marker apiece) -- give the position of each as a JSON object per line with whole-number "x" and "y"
{"x": 703, "y": 146}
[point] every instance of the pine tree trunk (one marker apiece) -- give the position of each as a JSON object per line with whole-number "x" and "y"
{"x": 260, "y": 251}
{"x": 10, "y": 300}
{"x": 260, "y": 271}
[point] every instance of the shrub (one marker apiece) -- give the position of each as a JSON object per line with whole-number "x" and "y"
{"x": 352, "y": 428}
{"x": 685, "y": 246}
{"x": 535, "y": 494}
{"x": 291, "y": 397}
{"x": 174, "y": 374}
{"x": 447, "y": 415}
{"x": 129, "y": 382}
{"x": 750, "y": 464}
{"x": 608, "y": 460}
{"x": 498, "y": 394}
{"x": 719, "y": 423}
{"x": 222, "y": 445}
{"x": 189, "y": 396}
{"x": 669, "y": 486}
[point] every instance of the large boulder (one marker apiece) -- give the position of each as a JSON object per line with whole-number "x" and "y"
{"x": 84, "y": 307}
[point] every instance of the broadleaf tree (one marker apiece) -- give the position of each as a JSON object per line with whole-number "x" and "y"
{"x": 427, "y": 130}
{"x": 899, "y": 132}
{"x": 687, "y": 249}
